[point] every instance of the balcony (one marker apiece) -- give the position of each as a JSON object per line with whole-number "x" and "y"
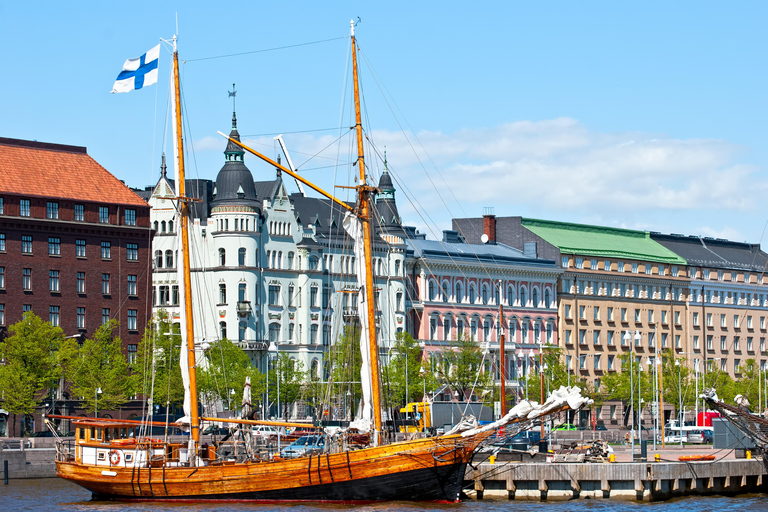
{"x": 244, "y": 308}
{"x": 253, "y": 345}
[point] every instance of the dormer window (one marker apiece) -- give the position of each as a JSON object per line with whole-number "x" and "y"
{"x": 240, "y": 192}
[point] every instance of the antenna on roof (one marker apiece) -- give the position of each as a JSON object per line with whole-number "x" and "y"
{"x": 279, "y": 139}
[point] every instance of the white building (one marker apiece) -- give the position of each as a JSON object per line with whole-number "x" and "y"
{"x": 272, "y": 267}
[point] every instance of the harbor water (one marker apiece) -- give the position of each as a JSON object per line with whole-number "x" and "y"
{"x": 42, "y": 495}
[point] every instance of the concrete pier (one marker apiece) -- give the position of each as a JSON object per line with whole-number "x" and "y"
{"x": 648, "y": 481}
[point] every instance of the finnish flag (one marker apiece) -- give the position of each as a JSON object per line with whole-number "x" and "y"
{"x": 138, "y": 72}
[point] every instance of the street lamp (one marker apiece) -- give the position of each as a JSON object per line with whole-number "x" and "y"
{"x": 640, "y": 401}
{"x": 680, "y": 399}
{"x": 96, "y": 393}
{"x": 628, "y": 341}
{"x": 273, "y": 348}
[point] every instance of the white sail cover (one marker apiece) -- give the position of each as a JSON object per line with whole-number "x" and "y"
{"x": 354, "y": 228}
{"x": 184, "y": 358}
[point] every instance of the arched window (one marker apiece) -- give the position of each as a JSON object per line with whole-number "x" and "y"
{"x": 279, "y": 260}
{"x": 222, "y": 293}
{"x": 274, "y": 332}
{"x": 222, "y": 330}
{"x": 497, "y": 295}
{"x": 169, "y": 259}
{"x": 241, "y": 292}
{"x": 459, "y": 293}
{"x": 535, "y": 298}
{"x": 510, "y": 295}
{"x": 222, "y": 257}
{"x": 158, "y": 259}
{"x": 484, "y": 293}
{"x": 157, "y": 224}
{"x": 472, "y": 294}
{"x": 162, "y": 224}
{"x": 241, "y": 256}
{"x": 432, "y": 288}
{"x": 446, "y": 291}
{"x": 290, "y": 260}
{"x": 314, "y": 369}
{"x": 241, "y": 329}
{"x": 170, "y": 226}
{"x": 313, "y": 261}
{"x": 547, "y": 300}
{"x": 523, "y": 302}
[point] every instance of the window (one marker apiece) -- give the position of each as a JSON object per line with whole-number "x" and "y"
{"x": 596, "y": 337}
{"x": 596, "y": 312}
{"x": 104, "y": 214}
{"x": 169, "y": 259}
{"x": 54, "y": 246}
{"x": 709, "y": 319}
{"x": 568, "y": 340}
{"x": 579, "y": 262}
{"x": 327, "y": 297}
{"x": 705, "y": 273}
{"x": 313, "y": 334}
{"x": 736, "y": 363}
{"x": 432, "y": 328}
{"x": 106, "y": 250}
{"x": 664, "y": 337}
{"x": 650, "y": 316}
{"x": 607, "y": 265}
{"x": 158, "y": 259}
{"x": 597, "y": 361}
{"x": 610, "y": 338}
{"x": 290, "y": 260}
{"x": 623, "y": 314}
{"x": 132, "y": 354}
{"x": 241, "y": 256}
{"x": 81, "y": 318}
{"x": 291, "y": 330}
{"x": 564, "y": 261}
{"x": 609, "y": 314}
{"x": 53, "y": 315}
{"x": 274, "y": 294}
{"x": 567, "y": 311}
{"x": 749, "y": 322}
{"x": 593, "y": 264}
{"x": 674, "y": 271}
{"x": 695, "y": 343}
{"x": 736, "y": 344}
{"x": 620, "y": 266}
{"x": 222, "y": 293}
{"x": 130, "y": 217}
{"x": 133, "y": 315}
{"x": 2, "y": 242}
{"x": 164, "y": 295}
{"x": 2, "y": 314}
{"x": 53, "y": 281}
{"x": 132, "y": 285}
{"x": 634, "y": 268}
{"x": 582, "y": 312}
{"x": 582, "y": 362}
{"x": 241, "y": 330}
{"x": 2, "y": 277}
{"x": 80, "y": 248}
{"x": 26, "y": 308}
{"x": 132, "y": 252}
{"x": 26, "y": 279}
{"x": 81, "y": 282}
{"x": 313, "y": 296}
{"x": 1, "y": 205}
{"x": 723, "y": 321}
{"x": 222, "y": 330}
{"x": 637, "y": 315}
{"x": 105, "y": 284}
{"x": 723, "y": 343}
{"x": 709, "y": 342}
{"x": 719, "y": 275}
{"x": 222, "y": 257}
{"x": 735, "y": 321}
{"x": 582, "y": 336}
{"x": 52, "y": 210}
{"x": 26, "y": 244}
{"x": 648, "y": 268}
{"x": 24, "y": 209}
{"x": 313, "y": 261}
{"x": 241, "y": 292}
{"x": 749, "y": 344}
{"x": 486, "y": 330}
{"x": 79, "y": 213}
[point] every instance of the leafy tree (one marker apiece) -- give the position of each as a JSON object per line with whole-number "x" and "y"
{"x": 407, "y": 361}
{"x": 35, "y": 356}
{"x": 291, "y": 376}
{"x": 345, "y": 364}
{"x": 460, "y": 367}
{"x": 101, "y": 364}
{"x": 225, "y": 370}
{"x": 157, "y": 363}
{"x": 555, "y": 375}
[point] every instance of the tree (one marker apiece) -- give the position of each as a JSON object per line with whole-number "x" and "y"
{"x": 225, "y": 370}
{"x": 460, "y": 367}
{"x": 157, "y": 367}
{"x": 101, "y": 364}
{"x": 291, "y": 376}
{"x": 35, "y": 356}
{"x": 407, "y": 363}
{"x": 346, "y": 361}
{"x": 555, "y": 375}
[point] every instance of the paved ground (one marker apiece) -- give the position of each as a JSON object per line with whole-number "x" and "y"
{"x": 672, "y": 452}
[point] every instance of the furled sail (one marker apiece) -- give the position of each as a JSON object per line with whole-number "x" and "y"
{"x": 354, "y": 228}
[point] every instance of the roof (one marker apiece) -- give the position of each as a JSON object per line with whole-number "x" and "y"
{"x": 601, "y": 241}
{"x": 485, "y": 253}
{"x": 716, "y": 253}
{"x": 40, "y": 169}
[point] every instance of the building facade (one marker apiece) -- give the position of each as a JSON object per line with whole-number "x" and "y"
{"x": 74, "y": 243}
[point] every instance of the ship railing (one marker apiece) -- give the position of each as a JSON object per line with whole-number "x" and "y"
{"x": 65, "y": 450}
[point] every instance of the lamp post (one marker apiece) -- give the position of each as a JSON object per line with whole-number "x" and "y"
{"x": 423, "y": 375}
{"x": 640, "y": 401}
{"x": 273, "y": 348}
{"x": 628, "y": 340}
{"x": 680, "y": 399}
{"x": 96, "y": 394}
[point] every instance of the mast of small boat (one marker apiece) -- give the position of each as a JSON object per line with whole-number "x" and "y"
{"x": 364, "y": 199}
{"x": 194, "y": 421}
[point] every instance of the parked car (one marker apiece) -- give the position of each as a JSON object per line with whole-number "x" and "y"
{"x": 565, "y": 426}
{"x": 42, "y": 433}
{"x": 597, "y": 427}
{"x": 303, "y": 446}
{"x": 264, "y": 432}
{"x": 296, "y": 434}
{"x": 528, "y": 438}
{"x": 214, "y": 430}
{"x": 700, "y": 436}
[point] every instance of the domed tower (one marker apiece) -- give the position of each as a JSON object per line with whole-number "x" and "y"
{"x": 389, "y": 218}
{"x": 234, "y": 183}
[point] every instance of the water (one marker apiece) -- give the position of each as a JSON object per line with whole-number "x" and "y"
{"x": 59, "y": 495}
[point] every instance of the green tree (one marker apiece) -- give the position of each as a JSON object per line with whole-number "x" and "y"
{"x": 223, "y": 376}
{"x": 461, "y": 368}
{"x": 101, "y": 364}
{"x": 35, "y": 356}
{"x": 407, "y": 363}
{"x": 345, "y": 364}
{"x": 157, "y": 367}
{"x": 555, "y": 375}
{"x": 291, "y": 376}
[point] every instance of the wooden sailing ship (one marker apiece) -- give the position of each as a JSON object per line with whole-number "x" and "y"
{"x": 111, "y": 464}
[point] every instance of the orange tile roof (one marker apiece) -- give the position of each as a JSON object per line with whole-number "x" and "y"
{"x": 41, "y": 169}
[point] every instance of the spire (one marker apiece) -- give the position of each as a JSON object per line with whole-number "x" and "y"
{"x": 163, "y": 168}
{"x": 233, "y": 151}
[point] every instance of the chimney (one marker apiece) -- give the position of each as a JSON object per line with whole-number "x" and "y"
{"x": 489, "y": 225}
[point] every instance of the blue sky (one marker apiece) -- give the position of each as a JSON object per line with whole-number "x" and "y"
{"x": 643, "y": 115}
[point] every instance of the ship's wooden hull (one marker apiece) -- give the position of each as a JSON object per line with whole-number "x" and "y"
{"x": 429, "y": 469}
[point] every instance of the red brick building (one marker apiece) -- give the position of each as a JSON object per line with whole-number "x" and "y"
{"x": 74, "y": 242}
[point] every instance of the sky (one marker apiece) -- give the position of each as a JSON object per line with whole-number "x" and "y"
{"x": 644, "y": 115}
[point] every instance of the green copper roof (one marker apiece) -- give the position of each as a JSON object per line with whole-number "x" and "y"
{"x": 602, "y": 241}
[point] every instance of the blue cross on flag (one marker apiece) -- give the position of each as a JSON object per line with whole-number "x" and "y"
{"x": 138, "y": 72}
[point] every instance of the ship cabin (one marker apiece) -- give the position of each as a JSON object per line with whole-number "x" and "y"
{"x": 116, "y": 444}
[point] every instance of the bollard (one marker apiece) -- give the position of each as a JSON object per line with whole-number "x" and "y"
{"x": 492, "y": 459}
{"x": 5, "y": 471}
{"x": 612, "y": 457}
{"x": 749, "y": 454}
{"x": 657, "y": 457}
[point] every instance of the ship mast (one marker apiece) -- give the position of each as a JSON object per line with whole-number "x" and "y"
{"x": 364, "y": 199}
{"x": 194, "y": 421}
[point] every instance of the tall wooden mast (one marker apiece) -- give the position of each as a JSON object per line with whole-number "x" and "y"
{"x": 194, "y": 421}
{"x": 364, "y": 199}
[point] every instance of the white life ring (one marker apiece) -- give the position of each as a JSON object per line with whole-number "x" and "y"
{"x": 114, "y": 457}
